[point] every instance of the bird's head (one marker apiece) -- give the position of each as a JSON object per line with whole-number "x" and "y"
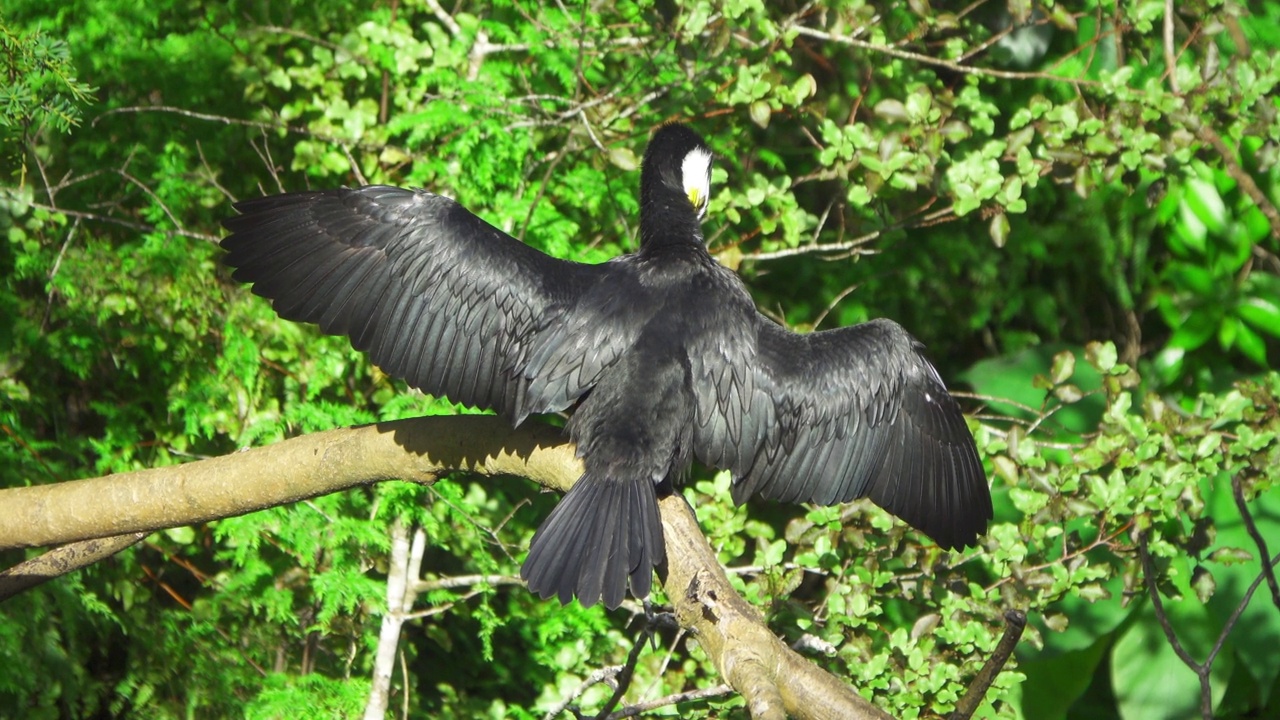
{"x": 677, "y": 164}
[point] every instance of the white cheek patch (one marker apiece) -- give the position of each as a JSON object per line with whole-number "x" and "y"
{"x": 695, "y": 171}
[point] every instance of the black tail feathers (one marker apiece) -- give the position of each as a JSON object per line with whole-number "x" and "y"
{"x": 603, "y": 532}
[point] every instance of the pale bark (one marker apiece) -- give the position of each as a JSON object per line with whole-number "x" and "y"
{"x": 402, "y": 571}
{"x": 775, "y": 680}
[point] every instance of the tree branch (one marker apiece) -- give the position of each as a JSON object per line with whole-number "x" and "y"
{"x": 933, "y": 61}
{"x": 1264, "y": 555}
{"x": 1200, "y": 669}
{"x": 62, "y": 560}
{"x": 400, "y": 574}
{"x": 304, "y": 467}
{"x": 1015, "y": 623}
{"x": 772, "y": 677}
{"x": 1231, "y": 163}
{"x": 775, "y": 680}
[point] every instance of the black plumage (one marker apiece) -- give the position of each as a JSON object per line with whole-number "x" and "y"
{"x": 661, "y": 353}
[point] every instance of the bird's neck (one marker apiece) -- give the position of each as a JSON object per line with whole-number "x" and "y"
{"x": 668, "y": 222}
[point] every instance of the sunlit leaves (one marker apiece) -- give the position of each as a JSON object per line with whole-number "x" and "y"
{"x": 1007, "y": 214}
{"x": 42, "y": 86}
{"x": 1207, "y": 293}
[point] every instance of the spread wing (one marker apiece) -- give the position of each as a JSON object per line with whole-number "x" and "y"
{"x": 434, "y": 294}
{"x": 855, "y": 412}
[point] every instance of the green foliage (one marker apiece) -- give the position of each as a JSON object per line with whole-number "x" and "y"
{"x": 40, "y": 88}
{"x": 1150, "y": 475}
{"x": 1023, "y": 187}
{"x": 308, "y": 696}
{"x": 1206, "y": 291}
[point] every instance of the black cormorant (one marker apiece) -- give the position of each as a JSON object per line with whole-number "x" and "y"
{"x": 661, "y": 354}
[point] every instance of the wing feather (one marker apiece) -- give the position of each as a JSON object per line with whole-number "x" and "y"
{"x": 855, "y": 412}
{"x": 732, "y": 411}
{"x": 433, "y": 293}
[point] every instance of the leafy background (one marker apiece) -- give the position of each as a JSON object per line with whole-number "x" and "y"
{"x": 1074, "y": 206}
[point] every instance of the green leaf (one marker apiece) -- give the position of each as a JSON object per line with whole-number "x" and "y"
{"x": 1149, "y": 679}
{"x": 1262, "y": 313}
{"x": 891, "y": 109}
{"x": 1204, "y": 202}
{"x": 1054, "y": 683}
{"x": 1194, "y": 332}
{"x": 1102, "y": 355}
{"x": 998, "y": 229}
{"x": 1064, "y": 366}
{"x": 1231, "y": 556}
{"x": 181, "y": 535}
{"x": 1251, "y": 344}
{"x": 623, "y": 158}
{"x": 760, "y": 113}
{"x": 804, "y": 87}
{"x": 1190, "y": 229}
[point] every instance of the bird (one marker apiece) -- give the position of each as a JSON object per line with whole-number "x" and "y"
{"x": 659, "y": 357}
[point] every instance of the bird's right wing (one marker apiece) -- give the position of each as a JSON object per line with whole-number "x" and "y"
{"x": 434, "y": 294}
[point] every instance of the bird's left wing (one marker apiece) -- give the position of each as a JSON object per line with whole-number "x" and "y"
{"x": 434, "y": 294}
{"x": 857, "y": 412}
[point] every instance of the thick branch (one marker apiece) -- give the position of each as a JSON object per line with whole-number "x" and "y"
{"x": 771, "y": 676}
{"x": 285, "y": 472}
{"x": 774, "y": 679}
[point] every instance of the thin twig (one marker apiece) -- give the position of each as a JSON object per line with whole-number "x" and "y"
{"x": 1201, "y": 670}
{"x": 1235, "y": 614}
{"x": 127, "y": 223}
{"x": 624, "y": 676}
{"x": 445, "y": 18}
{"x": 212, "y": 174}
{"x": 675, "y": 699}
{"x": 355, "y": 166}
{"x": 834, "y": 302}
{"x": 1268, "y": 570}
{"x": 1170, "y": 59}
{"x": 1100, "y": 541}
{"x": 151, "y": 194}
{"x": 457, "y": 581}
{"x": 264, "y": 126}
{"x": 406, "y": 692}
{"x": 840, "y": 250}
{"x": 53, "y": 272}
{"x": 444, "y": 608}
{"x": 542, "y": 187}
{"x": 603, "y": 674}
{"x": 937, "y": 62}
{"x": 666, "y": 661}
{"x": 339, "y": 51}
{"x": 825, "y": 248}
